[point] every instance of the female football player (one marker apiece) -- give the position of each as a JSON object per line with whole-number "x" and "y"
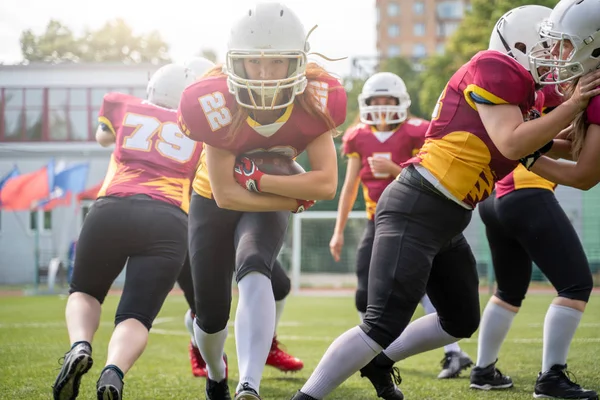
{"x": 477, "y": 135}
{"x": 139, "y": 219}
{"x": 385, "y": 137}
{"x": 266, "y": 99}
{"x": 525, "y": 223}
{"x": 278, "y": 357}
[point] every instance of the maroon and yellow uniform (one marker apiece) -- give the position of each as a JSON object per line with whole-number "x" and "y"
{"x": 363, "y": 141}
{"x": 151, "y": 155}
{"x": 207, "y": 107}
{"x": 521, "y": 177}
{"x": 458, "y": 152}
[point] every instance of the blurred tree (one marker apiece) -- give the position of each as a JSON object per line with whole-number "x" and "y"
{"x": 405, "y": 70}
{"x": 209, "y": 54}
{"x": 57, "y": 44}
{"x": 114, "y": 41}
{"x": 471, "y": 36}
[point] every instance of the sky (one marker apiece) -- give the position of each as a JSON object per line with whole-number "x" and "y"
{"x": 346, "y": 27}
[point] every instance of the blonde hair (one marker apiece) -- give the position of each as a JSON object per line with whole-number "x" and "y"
{"x": 580, "y": 126}
{"x": 306, "y": 100}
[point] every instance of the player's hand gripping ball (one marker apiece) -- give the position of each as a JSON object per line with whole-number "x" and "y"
{"x": 250, "y": 168}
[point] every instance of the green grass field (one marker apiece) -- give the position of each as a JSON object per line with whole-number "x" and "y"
{"x": 33, "y": 337}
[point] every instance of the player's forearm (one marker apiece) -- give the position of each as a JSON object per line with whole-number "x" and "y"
{"x": 564, "y": 173}
{"x": 532, "y": 135}
{"x": 561, "y": 149}
{"x": 347, "y": 200}
{"x": 312, "y": 185}
{"x": 243, "y": 200}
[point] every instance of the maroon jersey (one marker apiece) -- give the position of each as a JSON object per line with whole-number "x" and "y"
{"x": 458, "y": 152}
{"x": 520, "y": 177}
{"x": 151, "y": 155}
{"x": 592, "y": 112}
{"x": 206, "y": 110}
{"x": 363, "y": 141}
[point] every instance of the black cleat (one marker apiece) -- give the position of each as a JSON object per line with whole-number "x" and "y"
{"x": 217, "y": 390}
{"x": 489, "y": 378}
{"x": 109, "y": 385}
{"x": 453, "y": 363}
{"x": 302, "y": 396}
{"x": 247, "y": 393}
{"x": 384, "y": 380}
{"x": 77, "y": 362}
{"x": 556, "y": 384}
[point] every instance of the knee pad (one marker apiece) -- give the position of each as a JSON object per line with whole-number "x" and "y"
{"x": 514, "y": 299}
{"x": 360, "y": 299}
{"x": 581, "y": 291}
{"x": 253, "y": 263}
{"x": 281, "y": 288}
{"x": 462, "y": 325}
{"x": 211, "y": 322}
{"x": 144, "y": 320}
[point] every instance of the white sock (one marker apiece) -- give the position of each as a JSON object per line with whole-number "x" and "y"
{"x": 254, "y": 327}
{"x": 212, "y": 346}
{"x": 559, "y": 327}
{"x": 430, "y": 309}
{"x": 495, "y": 323}
{"x": 427, "y": 305}
{"x": 361, "y": 315}
{"x": 452, "y": 347}
{"x": 279, "y": 306}
{"x": 346, "y": 355}
{"x": 189, "y": 325}
{"x": 421, "y": 335}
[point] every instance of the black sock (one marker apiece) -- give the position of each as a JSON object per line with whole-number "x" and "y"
{"x": 114, "y": 368}
{"x": 384, "y": 361}
{"x": 82, "y": 342}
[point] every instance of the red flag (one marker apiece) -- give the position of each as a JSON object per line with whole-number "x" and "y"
{"x": 90, "y": 194}
{"x": 24, "y": 191}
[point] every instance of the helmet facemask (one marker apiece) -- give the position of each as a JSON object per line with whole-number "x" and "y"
{"x": 266, "y": 94}
{"x": 562, "y": 68}
{"x": 383, "y": 114}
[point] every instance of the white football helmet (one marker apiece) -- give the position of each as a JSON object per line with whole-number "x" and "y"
{"x": 579, "y": 22}
{"x": 519, "y": 26}
{"x": 389, "y": 85}
{"x": 269, "y": 30}
{"x": 167, "y": 84}
{"x": 199, "y": 65}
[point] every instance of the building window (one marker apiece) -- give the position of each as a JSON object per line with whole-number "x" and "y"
{"x": 377, "y": 15}
{"x": 445, "y": 29}
{"x": 393, "y": 51}
{"x": 56, "y": 114}
{"x": 393, "y": 9}
{"x": 393, "y": 30}
{"x": 419, "y": 29}
{"x": 440, "y": 48}
{"x": 419, "y": 7}
{"x": 46, "y": 219}
{"x": 84, "y": 212}
{"x": 419, "y": 50}
{"x": 450, "y": 9}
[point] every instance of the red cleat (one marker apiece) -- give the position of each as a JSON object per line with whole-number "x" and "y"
{"x": 198, "y": 364}
{"x": 281, "y": 360}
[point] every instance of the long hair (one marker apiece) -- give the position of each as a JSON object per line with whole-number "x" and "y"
{"x": 306, "y": 100}
{"x": 580, "y": 126}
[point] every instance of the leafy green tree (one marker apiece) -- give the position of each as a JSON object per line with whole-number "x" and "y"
{"x": 471, "y": 36}
{"x": 113, "y": 42}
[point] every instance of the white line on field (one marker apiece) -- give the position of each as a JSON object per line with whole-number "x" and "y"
{"x": 169, "y": 332}
{"x": 61, "y": 324}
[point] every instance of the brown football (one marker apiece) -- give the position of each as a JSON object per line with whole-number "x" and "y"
{"x": 275, "y": 164}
